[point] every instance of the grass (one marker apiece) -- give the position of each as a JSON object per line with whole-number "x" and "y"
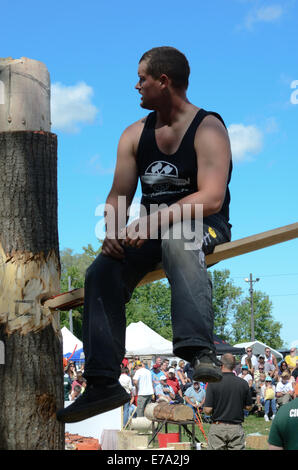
{"x": 252, "y": 425}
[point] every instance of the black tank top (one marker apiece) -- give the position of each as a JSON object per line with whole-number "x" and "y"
{"x": 167, "y": 178}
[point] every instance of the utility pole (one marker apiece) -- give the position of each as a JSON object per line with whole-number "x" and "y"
{"x": 251, "y": 292}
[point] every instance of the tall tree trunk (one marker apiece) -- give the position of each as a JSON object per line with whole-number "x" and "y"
{"x": 31, "y": 378}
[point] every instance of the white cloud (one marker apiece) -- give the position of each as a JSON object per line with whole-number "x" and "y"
{"x": 267, "y": 14}
{"x": 96, "y": 167}
{"x": 245, "y": 141}
{"x": 71, "y": 106}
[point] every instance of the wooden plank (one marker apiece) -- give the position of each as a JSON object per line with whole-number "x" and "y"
{"x": 228, "y": 250}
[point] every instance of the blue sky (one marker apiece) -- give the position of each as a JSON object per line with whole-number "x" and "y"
{"x": 243, "y": 58}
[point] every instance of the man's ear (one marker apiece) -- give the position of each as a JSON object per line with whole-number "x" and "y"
{"x": 164, "y": 80}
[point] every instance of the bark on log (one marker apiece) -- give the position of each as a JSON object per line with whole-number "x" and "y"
{"x": 170, "y": 412}
{"x": 31, "y": 380}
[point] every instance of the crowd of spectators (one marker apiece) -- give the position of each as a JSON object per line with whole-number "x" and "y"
{"x": 271, "y": 384}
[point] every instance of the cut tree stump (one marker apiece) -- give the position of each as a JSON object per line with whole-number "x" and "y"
{"x": 75, "y": 298}
{"x": 31, "y": 378}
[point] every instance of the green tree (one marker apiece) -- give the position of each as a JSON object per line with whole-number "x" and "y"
{"x": 266, "y": 329}
{"x": 225, "y": 300}
{"x": 151, "y": 304}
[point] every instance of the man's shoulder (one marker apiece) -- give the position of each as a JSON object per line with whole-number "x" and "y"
{"x": 135, "y": 128}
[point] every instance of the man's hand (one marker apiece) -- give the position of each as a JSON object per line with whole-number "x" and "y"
{"x": 112, "y": 247}
{"x": 140, "y": 230}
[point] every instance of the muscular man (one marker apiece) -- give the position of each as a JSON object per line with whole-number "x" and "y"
{"x": 181, "y": 153}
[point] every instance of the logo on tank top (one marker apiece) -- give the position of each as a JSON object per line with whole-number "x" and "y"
{"x": 163, "y": 178}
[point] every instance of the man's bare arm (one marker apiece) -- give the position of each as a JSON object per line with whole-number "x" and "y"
{"x": 124, "y": 184}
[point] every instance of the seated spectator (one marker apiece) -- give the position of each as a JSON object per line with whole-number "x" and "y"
{"x": 80, "y": 381}
{"x": 184, "y": 381}
{"x": 295, "y": 372}
{"x": 188, "y": 370}
{"x": 258, "y": 385}
{"x": 283, "y": 367}
{"x": 251, "y": 356}
{"x": 246, "y": 376}
{"x": 163, "y": 391}
{"x": 76, "y": 392}
{"x": 268, "y": 367}
{"x": 291, "y": 359}
{"x": 174, "y": 364}
{"x": 268, "y": 398}
{"x": 284, "y": 389}
{"x": 173, "y": 382}
{"x": 237, "y": 369}
{"x": 195, "y": 397}
{"x": 260, "y": 370}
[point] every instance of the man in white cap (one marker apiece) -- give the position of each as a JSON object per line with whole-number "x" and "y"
{"x": 163, "y": 391}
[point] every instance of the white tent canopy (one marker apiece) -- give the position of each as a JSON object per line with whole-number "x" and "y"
{"x": 258, "y": 348}
{"x": 141, "y": 340}
{"x": 70, "y": 341}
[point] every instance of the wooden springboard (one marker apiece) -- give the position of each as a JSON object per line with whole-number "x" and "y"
{"x": 75, "y": 298}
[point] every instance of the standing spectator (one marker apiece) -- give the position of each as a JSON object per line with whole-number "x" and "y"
{"x": 225, "y": 401}
{"x": 71, "y": 371}
{"x": 291, "y": 359}
{"x": 67, "y": 385}
{"x": 269, "y": 357}
{"x": 156, "y": 373}
{"x": 251, "y": 356}
{"x": 284, "y": 389}
{"x": 184, "y": 381}
{"x": 164, "y": 367}
{"x": 283, "y": 433}
{"x": 195, "y": 397}
{"x": 268, "y": 398}
{"x": 126, "y": 382}
{"x": 143, "y": 382}
{"x": 188, "y": 369}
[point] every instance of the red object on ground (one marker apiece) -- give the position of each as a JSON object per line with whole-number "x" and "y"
{"x": 164, "y": 439}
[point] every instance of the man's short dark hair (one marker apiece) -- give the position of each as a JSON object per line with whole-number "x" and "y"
{"x": 169, "y": 61}
{"x": 228, "y": 360}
